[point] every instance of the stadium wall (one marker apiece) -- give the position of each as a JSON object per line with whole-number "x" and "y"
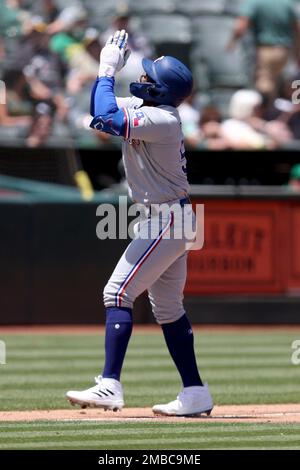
{"x": 53, "y": 267}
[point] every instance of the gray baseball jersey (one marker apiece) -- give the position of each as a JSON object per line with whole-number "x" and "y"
{"x": 155, "y": 164}
{"x": 153, "y": 152}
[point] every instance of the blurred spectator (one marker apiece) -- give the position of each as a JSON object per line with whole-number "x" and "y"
{"x": 206, "y": 133}
{"x": 5, "y": 118}
{"x": 42, "y": 124}
{"x": 27, "y": 46}
{"x": 71, "y": 18}
{"x": 138, "y": 44}
{"x": 18, "y": 100}
{"x": 77, "y": 45}
{"x": 84, "y": 65}
{"x": 67, "y": 31}
{"x": 294, "y": 181}
{"x": 189, "y": 116}
{"x": 15, "y": 21}
{"x": 246, "y": 129}
{"x": 51, "y": 55}
{"x": 45, "y": 77}
{"x": 92, "y": 43}
{"x": 47, "y": 10}
{"x": 211, "y": 129}
{"x": 283, "y": 109}
{"x": 276, "y": 32}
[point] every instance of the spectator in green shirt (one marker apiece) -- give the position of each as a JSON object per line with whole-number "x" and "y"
{"x": 294, "y": 181}
{"x": 276, "y": 33}
{"x": 67, "y": 31}
{"x": 15, "y": 22}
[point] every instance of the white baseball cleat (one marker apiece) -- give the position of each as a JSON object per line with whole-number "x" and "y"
{"x": 107, "y": 394}
{"x": 190, "y": 401}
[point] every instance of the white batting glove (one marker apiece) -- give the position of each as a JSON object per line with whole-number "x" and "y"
{"x": 114, "y": 54}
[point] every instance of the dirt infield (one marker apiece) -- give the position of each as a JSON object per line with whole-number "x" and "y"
{"x": 289, "y": 413}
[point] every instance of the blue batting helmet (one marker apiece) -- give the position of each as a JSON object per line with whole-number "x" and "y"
{"x": 172, "y": 82}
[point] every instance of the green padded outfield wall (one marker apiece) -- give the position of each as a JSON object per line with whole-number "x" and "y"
{"x": 53, "y": 267}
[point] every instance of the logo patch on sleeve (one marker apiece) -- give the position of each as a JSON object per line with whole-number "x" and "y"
{"x": 138, "y": 118}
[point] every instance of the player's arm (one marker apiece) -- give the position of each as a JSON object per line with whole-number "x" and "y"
{"x": 107, "y": 117}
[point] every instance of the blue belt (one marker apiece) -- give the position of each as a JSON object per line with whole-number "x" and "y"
{"x": 184, "y": 201}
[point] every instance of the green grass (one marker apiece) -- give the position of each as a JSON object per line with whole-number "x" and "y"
{"x": 147, "y": 435}
{"x": 240, "y": 368}
{"x": 248, "y": 367}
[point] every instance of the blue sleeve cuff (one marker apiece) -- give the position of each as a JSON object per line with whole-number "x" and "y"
{"x": 104, "y": 109}
{"x": 103, "y": 100}
{"x": 116, "y": 124}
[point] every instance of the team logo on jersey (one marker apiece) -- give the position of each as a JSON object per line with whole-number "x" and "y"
{"x": 138, "y": 118}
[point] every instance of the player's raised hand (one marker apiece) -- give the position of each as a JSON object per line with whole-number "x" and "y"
{"x": 114, "y": 54}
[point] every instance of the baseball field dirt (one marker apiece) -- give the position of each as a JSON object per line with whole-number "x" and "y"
{"x": 288, "y": 413}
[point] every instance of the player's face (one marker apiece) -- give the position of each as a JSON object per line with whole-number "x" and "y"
{"x": 145, "y": 79}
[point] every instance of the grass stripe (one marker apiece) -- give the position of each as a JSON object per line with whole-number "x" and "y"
{"x": 132, "y": 433}
{"x": 127, "y": 425}
{"x": 184, "y": 443}
{"x": 221, "y": 387}
{"x": 60, "y": 366}
{"x": 269, "y": 377}
{"x": 106, "y": 440}
{"x": 20, "y": 353}
{"x": 241, "y": 367}
{"x": 152, "y": 436}
{"x": 149, "y": 380}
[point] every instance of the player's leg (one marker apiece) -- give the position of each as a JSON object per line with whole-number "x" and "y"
{"x": 143, "y": 262}
{"x": 166, "y": 297}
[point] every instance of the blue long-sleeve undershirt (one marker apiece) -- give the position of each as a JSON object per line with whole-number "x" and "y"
{"x": 104, "y": 109}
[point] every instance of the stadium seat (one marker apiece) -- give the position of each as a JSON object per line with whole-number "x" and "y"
{"x": 61, "y": 4}
{"x": 225, "y": 69}
{"x": 153, "y": 6}
{"x": 297, "y": 7}
{"x": 233, "y": 7}
{"x": 102, "y": 8}
{"x": 60, "y": 130}
{"x": 12, "y": 135}
{"x": 197, "y": 7}
{"x": 167, "y": 28}
{"x": 201, "y": 75}
{"x": 100, "y": 13}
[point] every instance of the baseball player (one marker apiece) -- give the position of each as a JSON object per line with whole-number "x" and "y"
{"x": 155, "y": 165}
